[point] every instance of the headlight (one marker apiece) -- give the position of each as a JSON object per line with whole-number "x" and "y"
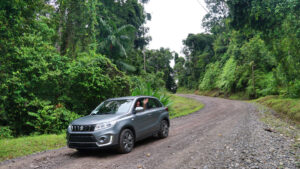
{"x": 70, "y": 127}
{"x": 105, "y": 125}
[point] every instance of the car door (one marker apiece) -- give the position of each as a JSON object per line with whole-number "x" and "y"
{"x": 155, "y": 110}
{"x": 142, "y": 121}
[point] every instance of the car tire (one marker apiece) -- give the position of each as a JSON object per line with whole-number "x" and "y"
{"x": 126, "y": 141}
{"x": 164, "y": 129}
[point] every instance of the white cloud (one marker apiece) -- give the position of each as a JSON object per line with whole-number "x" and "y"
{"x": 172, "y": 21}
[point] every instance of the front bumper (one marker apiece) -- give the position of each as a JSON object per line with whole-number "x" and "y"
{"x": 92, "y": 140}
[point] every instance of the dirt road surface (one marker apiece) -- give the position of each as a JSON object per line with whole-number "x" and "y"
{"x": 224, "y": 134}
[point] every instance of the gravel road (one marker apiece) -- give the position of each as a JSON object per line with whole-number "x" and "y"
{"x": 224, "y": 134}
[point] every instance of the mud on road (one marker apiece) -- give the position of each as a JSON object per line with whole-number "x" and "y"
{"x": 224, "y": 134}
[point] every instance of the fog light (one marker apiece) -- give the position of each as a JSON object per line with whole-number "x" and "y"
{"x": 103, "y": 139}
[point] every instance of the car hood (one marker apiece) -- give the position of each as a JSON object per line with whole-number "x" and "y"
{"x": 95, "y": 119}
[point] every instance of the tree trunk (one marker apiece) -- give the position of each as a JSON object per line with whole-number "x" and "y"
{"x": 144, "y": 61}
{"x": 253, "y": 79}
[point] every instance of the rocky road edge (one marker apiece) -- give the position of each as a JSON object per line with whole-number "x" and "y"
{"x": 251, "y": 145}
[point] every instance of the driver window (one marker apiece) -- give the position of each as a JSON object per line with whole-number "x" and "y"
{"x": 140, "y": 103}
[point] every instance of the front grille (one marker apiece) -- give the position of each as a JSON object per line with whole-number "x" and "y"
{"x": 82, "y": 138}
{"x": 83, "y": 128}
{"x": 82, "y": 145}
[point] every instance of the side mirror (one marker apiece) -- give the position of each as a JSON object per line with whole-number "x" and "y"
{"x": 138, "y": 109}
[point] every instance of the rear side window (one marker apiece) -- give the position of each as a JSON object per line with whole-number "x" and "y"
{"x": 157, "y": 103}
{"x": 153, "y": 103}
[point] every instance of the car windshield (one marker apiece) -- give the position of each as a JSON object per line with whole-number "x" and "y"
{"x": 113, "y": 107}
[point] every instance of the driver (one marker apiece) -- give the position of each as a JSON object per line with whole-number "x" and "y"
{"x": 145, "y": 101}
{"x": 138, "y": 104}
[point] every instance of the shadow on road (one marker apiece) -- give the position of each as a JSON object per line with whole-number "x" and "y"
{"x": 110, "y": 152}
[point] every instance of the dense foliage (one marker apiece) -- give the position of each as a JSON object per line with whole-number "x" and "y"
{"x": 61, "y": 58}
{"x": 147, "y": 90}
{"x": 250, "y": 47}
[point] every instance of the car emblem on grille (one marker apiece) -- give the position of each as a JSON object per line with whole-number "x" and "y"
{"x": 81, "y": 128}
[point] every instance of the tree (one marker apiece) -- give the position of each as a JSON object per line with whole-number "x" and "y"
{"x": 76, "y": 28}
{"x": 199, "y": 52}
{"x": 116, "y": 42}
{"x": 214, "y": 20}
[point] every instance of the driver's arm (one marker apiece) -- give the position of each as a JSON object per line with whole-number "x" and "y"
{"x": 145, "y": 103}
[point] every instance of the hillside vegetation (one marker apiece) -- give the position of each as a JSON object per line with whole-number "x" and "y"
{"x": 251, "y": 48}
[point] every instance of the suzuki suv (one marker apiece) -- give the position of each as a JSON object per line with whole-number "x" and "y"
{"x": 120, "y": 122}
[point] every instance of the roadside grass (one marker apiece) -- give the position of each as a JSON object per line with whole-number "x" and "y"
{"x": 182, "y": 106}
{"x": 285, "y": 107}
{"x": 218, "y": 93}
{"x": 185, "y": 91}
{"x": 215, "y": 93}
{"x": 17, "y": 147}
{"x": 283, "y": 126}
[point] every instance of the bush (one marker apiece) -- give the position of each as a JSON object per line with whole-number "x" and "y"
{"x": 91, "y": 80}
{"x": 265, "y": 84}
{"x": 294, "y": 89}
{"x": 227, "y": 77}
{"x": 5, "y": 132}
{"x": 49, "y": 118}
{"x": 211, "y": 74}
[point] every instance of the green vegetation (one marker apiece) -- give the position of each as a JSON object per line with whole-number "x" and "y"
{"x": 146, "y": 90}
{"x": 17, "y": 147}
{"x": 182, "y": 106}
{"x": 250, "y": 47}
{"x": 61, "y": 58}
{"x": 185, "y": 90}
{"x": 285, "y": 107}
{"x": 278, "y": 124}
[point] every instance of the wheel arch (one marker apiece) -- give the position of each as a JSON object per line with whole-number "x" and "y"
{"x": 167, "y": 119}
{"x": 130, "y": 127}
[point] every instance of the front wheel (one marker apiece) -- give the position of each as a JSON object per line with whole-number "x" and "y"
{"x": 164, "y": 129}
{"x": 126, "y": 141}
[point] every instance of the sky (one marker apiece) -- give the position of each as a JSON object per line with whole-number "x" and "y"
{"x": 172, "y": 21}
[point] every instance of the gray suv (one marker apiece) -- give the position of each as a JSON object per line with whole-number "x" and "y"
{"x": 120, "y": 122}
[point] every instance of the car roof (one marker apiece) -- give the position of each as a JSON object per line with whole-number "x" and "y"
{"x": 130, "y": 97}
